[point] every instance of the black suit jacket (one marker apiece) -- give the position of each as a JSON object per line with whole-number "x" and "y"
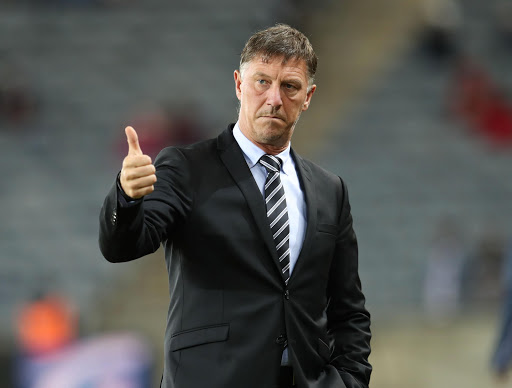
{"x": 231, "y": 314}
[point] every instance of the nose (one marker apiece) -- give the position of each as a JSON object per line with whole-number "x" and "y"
{"x": 274, "y": 97}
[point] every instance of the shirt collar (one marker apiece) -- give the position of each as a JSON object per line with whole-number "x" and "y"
{"x": 253, "y": 153}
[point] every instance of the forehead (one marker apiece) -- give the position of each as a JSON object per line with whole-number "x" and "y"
{"x": 277, "y": 66}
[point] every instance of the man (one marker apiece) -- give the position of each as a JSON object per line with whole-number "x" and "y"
{"x": 259, "y": 245}
{"x": 501, "y": 362}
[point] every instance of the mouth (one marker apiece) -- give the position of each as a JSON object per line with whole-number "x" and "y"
{"x": 273, "y": 117}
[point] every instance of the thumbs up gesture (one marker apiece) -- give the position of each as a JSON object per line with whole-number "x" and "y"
{"x": 138, "y": 173}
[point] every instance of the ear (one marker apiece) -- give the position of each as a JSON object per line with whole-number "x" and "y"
{"x": 307, "y": 101}
{"x": 238, "y": 83}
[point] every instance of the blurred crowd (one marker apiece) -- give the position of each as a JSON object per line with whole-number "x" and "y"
{"x": 51, "y": 352}
{"x": 464, "y": 273}
{"x": 458, "y": 275}
{"x": 476, "y": 99}
{"x": 19, "y": 103}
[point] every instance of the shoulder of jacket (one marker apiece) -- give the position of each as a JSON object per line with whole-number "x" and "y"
{"x": 320, "y": 172}
{"x": 189, "y": 153}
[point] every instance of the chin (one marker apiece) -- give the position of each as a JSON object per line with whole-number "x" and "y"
{"x": 275, "y": 125}
{"x": 274, "y": 136}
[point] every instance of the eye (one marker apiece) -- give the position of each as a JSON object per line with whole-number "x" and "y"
{"x": 289, "y": 86}
{"x": 261, "y": 82}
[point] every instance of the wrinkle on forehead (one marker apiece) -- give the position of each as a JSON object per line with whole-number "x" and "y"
{"x": 267, "y": 58}
{"x": 291, "y": 61}
{"x": 294, "y": 65}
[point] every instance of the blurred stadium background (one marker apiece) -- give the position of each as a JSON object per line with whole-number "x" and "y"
{"x": 413, "y": 110}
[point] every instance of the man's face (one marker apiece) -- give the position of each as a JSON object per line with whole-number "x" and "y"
{"x": 272, "y": 96}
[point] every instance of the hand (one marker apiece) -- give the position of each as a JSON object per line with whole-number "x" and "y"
{"x": 138, "y": 173}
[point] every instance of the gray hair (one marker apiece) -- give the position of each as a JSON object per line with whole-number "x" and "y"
{"x": 280, "y": 41}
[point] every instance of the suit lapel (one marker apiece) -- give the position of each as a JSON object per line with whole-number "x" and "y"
{"x": 232, "y": 157}
{"x": 306, "y": 181}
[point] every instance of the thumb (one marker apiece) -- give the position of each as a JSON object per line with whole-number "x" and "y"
{"x": 133, "y": 141}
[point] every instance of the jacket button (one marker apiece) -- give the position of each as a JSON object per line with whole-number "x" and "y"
{"x": 281, "y": 340}
{"x": 113, "y": 219}
{"x": 287, "y": 295}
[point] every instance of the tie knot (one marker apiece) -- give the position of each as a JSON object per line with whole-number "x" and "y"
{"x": 271, "y": 163}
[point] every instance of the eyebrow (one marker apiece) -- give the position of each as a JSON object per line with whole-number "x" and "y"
{"x": 260, "y": 74}
{"x": 295, "y": 81}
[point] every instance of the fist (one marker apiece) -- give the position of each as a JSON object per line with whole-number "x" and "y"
{"x": 138, "y": 173}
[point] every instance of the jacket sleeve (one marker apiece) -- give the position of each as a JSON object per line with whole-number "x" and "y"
{"x": 129, "y": 232}
{"x": 348, "y": 319}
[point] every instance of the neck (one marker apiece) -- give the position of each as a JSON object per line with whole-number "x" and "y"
{"x": 272, "y": 149}
{"x": 271, "y": 146}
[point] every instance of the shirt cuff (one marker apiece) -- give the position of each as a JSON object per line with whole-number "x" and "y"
{"x": 123, "y": 199}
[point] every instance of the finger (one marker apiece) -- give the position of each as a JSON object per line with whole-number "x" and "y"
{"x": 136, "y": 194}
{"x": 134, "y": 161}
{"x": 139, "y": 172}
{"x": 142, "y": 183}
{"x": 133, "y": 141}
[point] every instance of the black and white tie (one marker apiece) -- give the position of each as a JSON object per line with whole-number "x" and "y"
{"x": 277, "y": 212}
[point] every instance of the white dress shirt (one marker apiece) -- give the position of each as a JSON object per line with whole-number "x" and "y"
{"x": 294, "y": 196}
{"x": 295, "y": 202}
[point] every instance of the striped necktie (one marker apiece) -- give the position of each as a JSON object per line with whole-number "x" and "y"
{"x": 277, "y": 212}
